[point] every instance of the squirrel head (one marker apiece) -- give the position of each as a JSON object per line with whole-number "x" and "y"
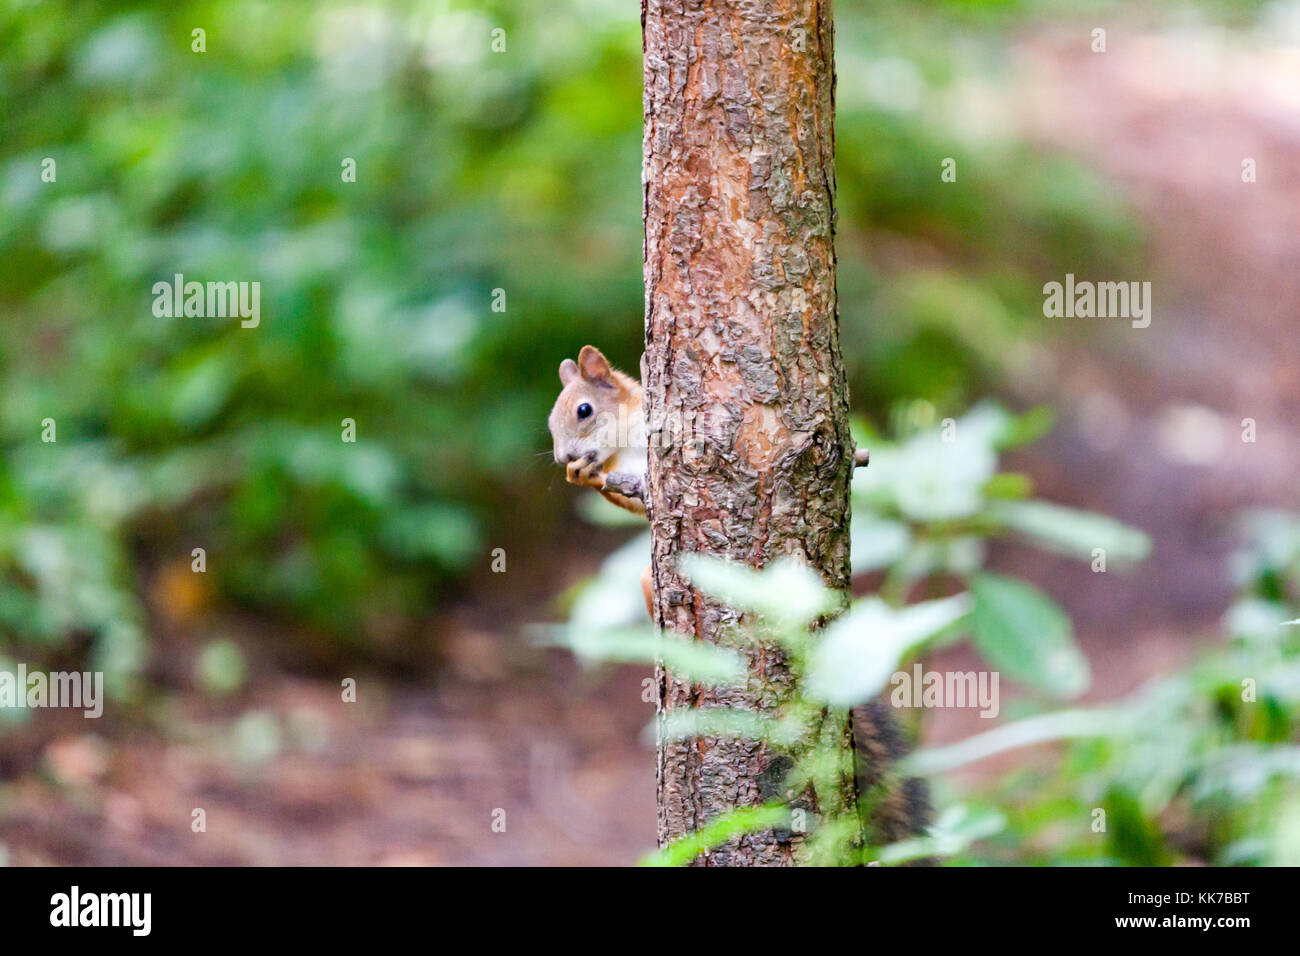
{"x": 592, "y": 416}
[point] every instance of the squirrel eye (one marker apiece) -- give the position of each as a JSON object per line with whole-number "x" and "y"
{"x": 584, "y": 411}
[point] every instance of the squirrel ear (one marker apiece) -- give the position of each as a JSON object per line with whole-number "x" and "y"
{"x": 594, "y": 365}
{"x": 568, "y": 371}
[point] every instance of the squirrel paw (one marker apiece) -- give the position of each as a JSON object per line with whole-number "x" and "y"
{"x": 584, "y": 472}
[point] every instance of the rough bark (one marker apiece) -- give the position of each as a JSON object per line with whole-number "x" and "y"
{"x": 750, "y": 455}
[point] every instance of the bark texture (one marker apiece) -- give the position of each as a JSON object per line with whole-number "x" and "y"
{"x": 750, "y": 454}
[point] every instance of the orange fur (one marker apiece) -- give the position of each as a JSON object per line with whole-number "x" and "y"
{"x": 611, "y": 438}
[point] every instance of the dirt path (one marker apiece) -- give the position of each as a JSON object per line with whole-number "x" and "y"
{"x": 401, "y": 777}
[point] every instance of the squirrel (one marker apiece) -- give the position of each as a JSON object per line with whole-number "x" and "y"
{"x": 598, "y": 429}
{"x": 598, "y": 426}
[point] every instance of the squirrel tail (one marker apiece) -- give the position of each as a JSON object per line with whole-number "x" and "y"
{"x": 893, "y": 808}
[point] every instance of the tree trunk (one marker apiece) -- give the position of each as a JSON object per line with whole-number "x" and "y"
{"x": 750, "y": 455}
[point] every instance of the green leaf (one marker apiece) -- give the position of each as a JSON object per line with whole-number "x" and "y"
{"x": 953, "y": 832}
{"x": 703, "y": 663}
{"x": 858, "y": 652}
{"x": 220, "y": 667}
{"x": 1027, "y": 428}
{"x": 1257, "y": 620}
{"x": 877, "y": 543}
{"x": 1009, "y": 485}
{"x": 199, "y": 391}
{"x": 1020, "y": 631}
{"x": 1133, "y": 836}
{"x": 1059, "y": 725}
{"x": 613, "y": 597}
{"x": 1072, "y": 532}
{"x": 784, "y": 592}
{"x": 718, "y": 831}
{"x": 935, "y": 475}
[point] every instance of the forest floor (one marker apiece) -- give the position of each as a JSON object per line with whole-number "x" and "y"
{"x": 1149, "y": 432}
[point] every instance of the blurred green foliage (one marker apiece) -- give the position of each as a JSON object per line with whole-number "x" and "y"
{"x": 475, "y": 171}
{"x": 1200, "y": 766}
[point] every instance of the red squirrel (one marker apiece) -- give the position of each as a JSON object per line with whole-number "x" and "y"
{"x": 598, "y": 430}
{"x": 598, "y": 425}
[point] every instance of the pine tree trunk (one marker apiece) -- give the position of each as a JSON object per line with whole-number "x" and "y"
{"x": 742, "y": 353}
